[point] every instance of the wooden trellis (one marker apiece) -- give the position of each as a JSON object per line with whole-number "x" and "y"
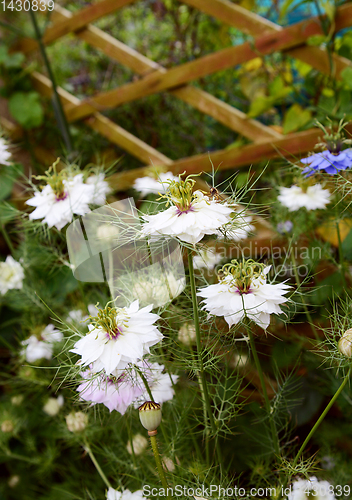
{"x": 268, "y": 38}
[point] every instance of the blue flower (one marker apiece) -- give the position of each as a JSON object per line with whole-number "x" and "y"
{"x": 331, "y": 163}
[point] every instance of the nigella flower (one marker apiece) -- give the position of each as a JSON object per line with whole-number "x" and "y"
{"x": 124, "y": 495}
{"x": 65, "y": 195}
{"x": 42, "y": 345}
{"x": 4, "y": 153}
{"x": 11, "y": 275}
{"x": 328, "y": 162}
{"x": 123, "y": 388}
{"x": 333, "y": 159}
{"x": 191, "y": 216}
{"x": 243, "y": 291}
{"x": 238, "y": 229}
{"x": 304, "y": 489}
{"x": 207, "y": 259}
{"x": 312, "y": 198}
{"x": 118, "y": 337}
{"x": 154, "y": 185}
{"x": 158, "y": 290}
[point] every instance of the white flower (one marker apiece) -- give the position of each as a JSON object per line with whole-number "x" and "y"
{"x": 107, "y": 232}
{"x": 77, "y": 421}
{"x": 35, "y": 348}
{"x": 101, "y": 189}
{"x": 206, "y": 259}
{"x": 305, "y": 489}
{"x": 59, "y": 211}
{"x": 148, "y": 185}
{"x": 187, "y": 334}
{"x": 124, "y": 495}
{"x": 53, "y": 405}
{"x": 257, "y": 301}
{"x": 139, "y": 442}
{"x": 4, "y": 153}
{"x": 203, "y": 216}
{"x": 238, "y": 228}
{"x": 131, "y": 334}
{"x": 295, "y": 198}
{"x": 158, "y": 291}
{"x": 11, "y": 275}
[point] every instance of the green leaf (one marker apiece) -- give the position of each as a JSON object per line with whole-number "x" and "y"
{"x": 346, "y": 75}
{"x": 8, "y": 175}
{"x": 260, "y": 105}
{"x": 347, "y": 246}
{"x": 14, "y": 60}
{"x": 295, "y": 118}
{"x": 316, "y": 40}
{"x": 8, "y": 212}
{"x": 26, "y": 109}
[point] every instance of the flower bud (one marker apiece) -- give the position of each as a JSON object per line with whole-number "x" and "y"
{"x": 150, "y": 415}
{"x": 76, "y": 422}
{"x": 345, "y": 343}
{"x": 139, "y": 443}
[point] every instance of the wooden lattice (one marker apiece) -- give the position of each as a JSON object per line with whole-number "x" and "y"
{"x": 153, "y": 78}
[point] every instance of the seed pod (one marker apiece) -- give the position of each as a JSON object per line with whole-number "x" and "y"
{"x": 150, "y": 415}
{"x": 345, "y": 343}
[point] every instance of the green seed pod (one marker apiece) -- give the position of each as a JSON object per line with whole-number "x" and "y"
{"x": 150, "y": 415}
{"x": 345, "y": 343}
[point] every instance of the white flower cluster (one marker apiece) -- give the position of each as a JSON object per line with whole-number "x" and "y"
{"x": 304, "y": 489}
{"x": 35, "y": 348}
{"x": 150, "y": 185}
{"x": 124, "y": 495}
{"x": 76, "y": 197}
{"x": 11, "y": 275}
{"x": 313, "y": 198}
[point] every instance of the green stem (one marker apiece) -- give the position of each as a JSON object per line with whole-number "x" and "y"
{"x": 158, "y": 464}
{"x": 200, "y": 372}
{"x": 61, "y": 118}
{"x": 316, "y": 425}
{"x": 7, "y": 239}
{"x": 265, "y": 393}
{"x": 305, "y": 307}
{"x": 341, "y": 260}
{"x": 96, "y": 464}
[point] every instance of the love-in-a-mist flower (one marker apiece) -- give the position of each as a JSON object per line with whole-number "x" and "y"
{"x": 239, "y": 227}
{"x": 158, "y": 290}
{"x": 191, "y": 216}
{"x": 208, "y": 258}
{"x": 5, "y": 154}
{"x": 118, "y": 336}
{"x": 305, "y": 489}
{"x": 311, "y": 198}
{"x": 64, "y": 195}
{"x": 124, "y": 495}
{"x": 11, "y": 275}
{"x": 243, "y": 291}
{"x": 154, "y": 185}
{"x": 41, "y": 345}
{"x": 125, "y": 387}
{"x": 333, "y": 159}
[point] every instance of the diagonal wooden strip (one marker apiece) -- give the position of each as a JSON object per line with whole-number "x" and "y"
{"x": 106, "y": 127}
{"x": 268, "y": 43}
{"x": 252, "y": 23}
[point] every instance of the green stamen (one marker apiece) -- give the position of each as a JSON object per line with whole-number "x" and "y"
{"x": 243, "y": 273}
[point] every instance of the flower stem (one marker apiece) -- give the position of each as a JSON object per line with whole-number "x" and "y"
{"x": 158, "y": 463}
{"x": 96, "y": 464}
{"x": 265, "y": 392}
{"x": 305, "y": 307}
{"x": 7, "y": 239}
{"x": 316, "y": 425}
{"x": 200, "y": 371}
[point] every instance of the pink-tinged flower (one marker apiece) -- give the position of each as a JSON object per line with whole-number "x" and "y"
{"x": 123, "y": 388}
{"x": 328, "y": 162}
{"x": 118, "y": 336}
{"x": 243, "y": 291}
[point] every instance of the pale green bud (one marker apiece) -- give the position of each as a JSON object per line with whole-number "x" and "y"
{"x": 150, "y": 415}
{"x": 345, "y": 343}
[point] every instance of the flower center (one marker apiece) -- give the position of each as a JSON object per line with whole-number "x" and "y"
{"x": 242, "y": 274}
{"x": 61, "y": 196}
{"x": 114, "y": 333}
{"x": 55, "y": 180}
{"x": 111, "y": 320}
{"x": 184, "y": 211}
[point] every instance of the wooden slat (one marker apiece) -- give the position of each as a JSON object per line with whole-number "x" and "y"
{"x": 268, "y": 43}
{"x": 76, "y": 22}
{"x": 106, "y": 127}
{"x": 251, "y": 23}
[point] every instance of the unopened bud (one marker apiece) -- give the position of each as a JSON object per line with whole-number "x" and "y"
{"x": 150, "y": 415}
{"x": 345, "y": 343}
{"x": 76, "y": 422}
